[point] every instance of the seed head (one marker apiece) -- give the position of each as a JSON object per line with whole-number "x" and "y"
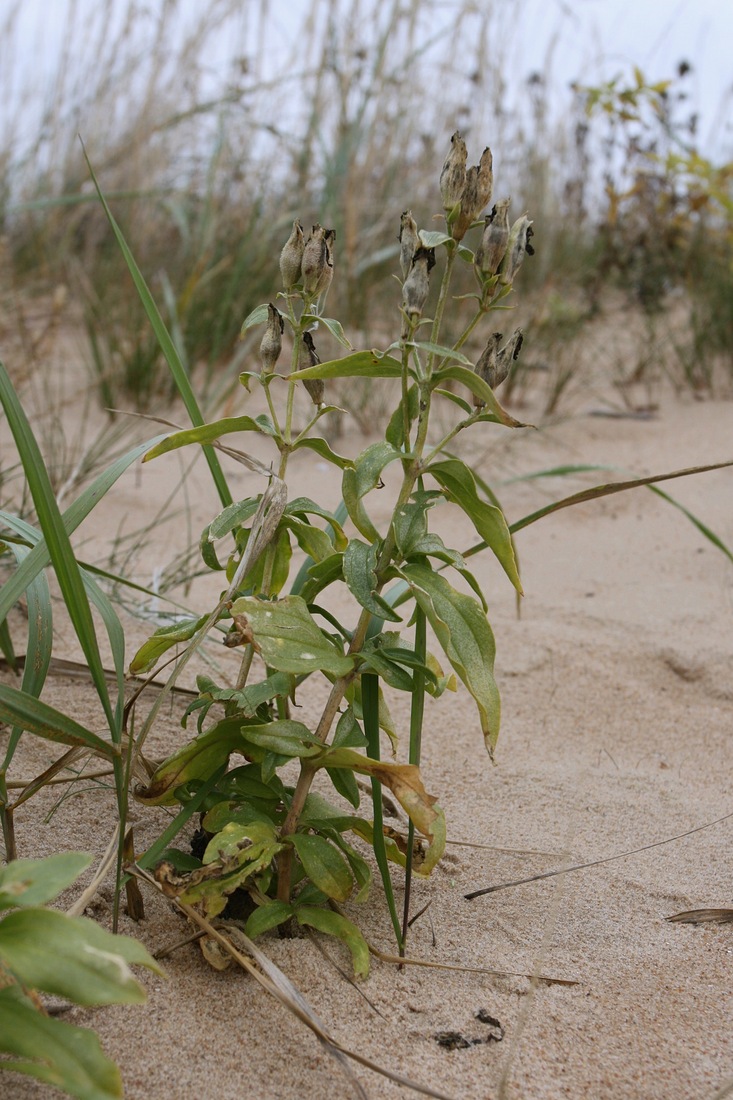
{"x": 308, "y": 357}
{"x": 486, "y": 367}
{"x": 318, "y": 261}
{"x": 291, "y": 256}
{"x": 417, "y": 284}
{"x": 272, "y": 340}
{"x": 453, "y": 174}
{"x": 490, "y": 252}
{"x": 409, "y": 241}
{"x": 517, "y": 246}
{"x": 476, "y": 194}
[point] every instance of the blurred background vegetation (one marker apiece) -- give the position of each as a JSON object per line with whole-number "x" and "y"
{"x": 347, "y": 122}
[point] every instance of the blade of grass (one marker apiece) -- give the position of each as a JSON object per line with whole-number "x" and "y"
{"x": 167, "y": 345}
{"x": 40, "y": 556}
{"x": 417, "y": 709}
{"x": 370, "y": 707}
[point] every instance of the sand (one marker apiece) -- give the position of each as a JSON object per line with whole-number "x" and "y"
{"x": 617, "y": 733}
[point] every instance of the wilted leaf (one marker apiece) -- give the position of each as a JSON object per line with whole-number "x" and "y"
{"x": 196, "y": 760}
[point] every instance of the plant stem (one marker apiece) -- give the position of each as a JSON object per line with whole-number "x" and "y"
{"x": 442, "y": 299}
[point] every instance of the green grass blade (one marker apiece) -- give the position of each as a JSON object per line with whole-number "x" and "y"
{"x": 39, "y": 645}
{"x": 151, "y": 857}
{"x": 607, "y": 490}
{"x": 62, "y": 556}
{"x": 167, "y": 346}
{"x": 6, "y": 645}
{"x": 417, "y": 710}
{"x": 40, "y": 557}
{"x": 19, "y": 709}
{"x": 370, "y": 707}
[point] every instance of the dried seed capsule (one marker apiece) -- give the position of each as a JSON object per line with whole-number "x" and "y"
{"x": 324, "y": 281}
{"x": 272, "y": 341}
{"x": 508, "y": 355}
{"x": 519, "y": 238}
{"x": 476, "y": 194}
{"x": 291, "y": 256}
{"x": 490, "y": 252}
{"x": 409, "y": 241}
{"x": 308, "y": 357}
{"x": 486, "y": 367}
{"x": 453, "y": 174}
{"x": 417, "y": 284}
{"x": 315, "y": 260}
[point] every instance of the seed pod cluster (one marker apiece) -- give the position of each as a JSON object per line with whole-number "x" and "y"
{"x": 272, "y": 341}
{"x": 453, "y": 174}
{"x": 476, "y": 194}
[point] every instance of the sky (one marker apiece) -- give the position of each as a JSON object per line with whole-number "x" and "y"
{"x": 579, "y": 39}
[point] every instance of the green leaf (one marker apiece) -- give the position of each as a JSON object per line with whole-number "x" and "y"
{"x": 28, "y": 882}
{"x": 19, "y": 709}
{"x": 58, "y": 1054}
{"x": 362, "y": 364}
{"x": 441, "y": 351}
{"x": 432, "y": 238}
{"x": 304, "y": 506}
{"x": 321, "y": 448}
{"x": 314, "y": 541}
{"x": 395, "y": 432}
{"x": 333, "y": 924}
{"x": 284, "y": 737}
{"x": 364, "y": 477}
{"x": 161, "y": 641}
{"x": 289, "y": 637}
{"x": 173, "y": 359}
{"x": 359, "y": 567}
{"x": 209, "y": 433}
{"x": 334, "y": 327}
{"x": 459, "y": 487}
{"x": 432, "y": 546}
{"x": 266, "y": 917}
{"x": 72, "y": 957}
{"x": 323, "y": 865}
{"x": 477, "y": 386}
{"x": 465, "y": 636}
{"x": 348, "y": 735}
{"x": 319, "y": 576}
{"x": 233, "y": 516}
{"x": 258, "y": 316}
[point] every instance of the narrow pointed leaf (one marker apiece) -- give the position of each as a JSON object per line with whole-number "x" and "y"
{"x": 362, "y": 364}
{"x": 209, "y": 433}
{"x": 173, "y": 359}
{"x": 459, "y": 487}
{"x": 334, "y": 924}
{"x": 466, "y": 638}
{"x": 19, "y": 709}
